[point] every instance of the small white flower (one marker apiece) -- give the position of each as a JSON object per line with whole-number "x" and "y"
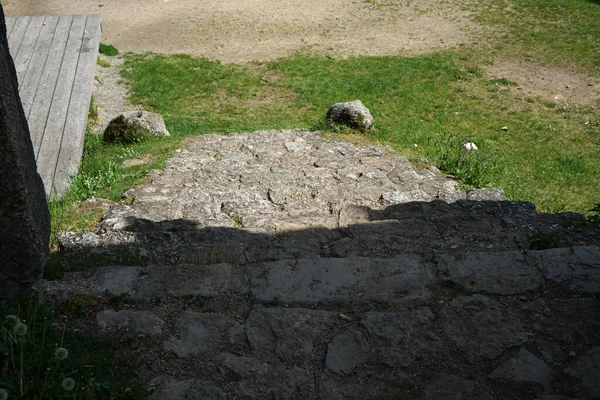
{"x": 416, "y": 145}
{"x": 61, "y": 353}
{"x": 470, "y": 146}
{"x": 68, "y": 384}
{"x": 20, "y": 329}
{"x": 3, "y": 394}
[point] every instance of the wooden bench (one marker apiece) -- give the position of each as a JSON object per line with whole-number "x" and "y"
{"x": 55, "y": 58}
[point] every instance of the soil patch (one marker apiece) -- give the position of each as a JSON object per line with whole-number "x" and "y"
{"x": 262, "y": 30}
{"x": 557, "y": 85}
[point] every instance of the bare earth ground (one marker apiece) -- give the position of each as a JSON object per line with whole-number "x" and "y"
{"x": 240, "y": 31}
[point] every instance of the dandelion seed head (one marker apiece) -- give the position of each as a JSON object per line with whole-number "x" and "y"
{"x": 12, "y": 318}
{"x": 68, "y": 384}
{"x": 20, "y": 329}
{"x": 3, "y": 394}
{"x": 61, "y": 353}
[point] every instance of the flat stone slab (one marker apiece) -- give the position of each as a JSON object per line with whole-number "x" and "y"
{"x": 130, "y": 322}
{"x": 525, "y": 368}
{"x": 351, "y": 280}
{"x": 505, "y": 273}
{"x": 481, "y": 327}
{"x": 579, "y": 267}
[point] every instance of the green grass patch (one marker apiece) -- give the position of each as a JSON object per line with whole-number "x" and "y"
{"x": 108, "y": 50}
{"x": 101, "y": 175}
{"x": 103, "y": 63}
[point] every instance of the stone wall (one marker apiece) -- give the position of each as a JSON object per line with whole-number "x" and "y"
{"x": 24, "y": 216}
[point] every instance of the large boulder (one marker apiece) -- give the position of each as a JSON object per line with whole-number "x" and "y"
{"x": 353, "y": 114}
{"x": 24, "y": 216}
{"x": 135, "y": 126}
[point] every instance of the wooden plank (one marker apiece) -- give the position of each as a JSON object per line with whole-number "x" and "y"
{"x": 25, "y": 53}
{"x": 17, "y": 34}
{"x": 10, "y": 23}
{"x": 29, "y": 85}
{"x": 52, "y": 137}
{"x": 45, "y": 91}
{"x": 74, "y": 133}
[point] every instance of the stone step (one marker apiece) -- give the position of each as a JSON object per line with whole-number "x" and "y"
{"x": 421, "y": 228}
{"x": 479, "y": 325}
{"x": 281, "y": 265}
{"x": 351, "y": 280}
{"x": 291, "y": 194}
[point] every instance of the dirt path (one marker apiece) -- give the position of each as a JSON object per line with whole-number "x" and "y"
{"x": 261, "y": 30}
{"x": 241, "y": 31}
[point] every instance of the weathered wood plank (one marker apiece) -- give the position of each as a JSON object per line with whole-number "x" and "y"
{"x": 24, "y": 55}
{"x": 28, "y": 86}
{"x": 74, "y": 133}
{"x": 17, "y": 34}
{"x": 53, "y": 132}
{"x": 10, "y": 23}
{"x": 45, "y": 90}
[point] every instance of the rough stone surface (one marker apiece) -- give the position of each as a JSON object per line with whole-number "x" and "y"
{"x": 199, "y": 334}
{"x": 132, "y": 126}
{"x": 24, "y": 216}
{"x": 290, "y": 334}
{"x": 287, "y": 266}
{"x": 347, "y": 351}
{"x": 579, "y": 267}
{"x": 130, "y": 321}
{"x": 481, "y": 327}
{"x": 165, "y": 388}
{"x": 587, "y": 369}
{"x": 258, "y": 380}
{"x": 451, "y": 387}
{"x": 504, "y": 273}
{"x": 525, "y": 368}
{"x": 352, "y": 113}
{"x": 352, "y": 280}
{"x": 399, "y": 339}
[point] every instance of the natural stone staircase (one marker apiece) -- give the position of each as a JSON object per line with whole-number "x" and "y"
{"x": 281, "y": 265}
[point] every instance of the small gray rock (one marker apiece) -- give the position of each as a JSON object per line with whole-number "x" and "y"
{"x": 134, "y": 126}
{"x": 353, "y": 114}
{"x": 526, "y": 368}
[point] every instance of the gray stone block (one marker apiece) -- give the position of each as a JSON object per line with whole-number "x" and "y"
{"x": 505, "y": 273}
{"x": 351, "y": 280}
{"x": 481, "y": 327}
